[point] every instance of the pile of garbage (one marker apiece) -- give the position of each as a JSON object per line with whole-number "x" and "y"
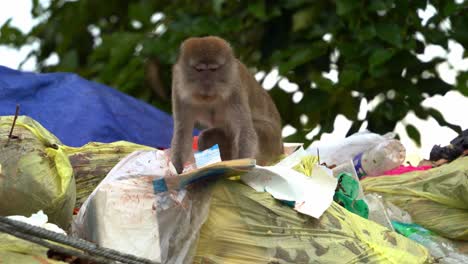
{"x": 352, "y": 200}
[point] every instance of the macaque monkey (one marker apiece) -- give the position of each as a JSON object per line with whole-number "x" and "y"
{"x": 210, "y": 86}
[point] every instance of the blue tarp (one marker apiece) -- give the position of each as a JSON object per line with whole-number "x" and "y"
{"x": 78, "y": 111}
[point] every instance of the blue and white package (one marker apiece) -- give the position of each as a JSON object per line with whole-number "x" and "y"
{"x": 208, "y": 156}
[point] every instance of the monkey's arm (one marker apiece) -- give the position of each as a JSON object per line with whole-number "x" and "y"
{"x": 182, "y": 137}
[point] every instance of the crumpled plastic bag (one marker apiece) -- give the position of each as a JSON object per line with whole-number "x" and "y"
{"x": 35, "y": 172}
{"x": 124, "y": 212}
{"x": 436, "y": 199}
{"x": 340, "y": 151}
{"x": 245, "y": 226}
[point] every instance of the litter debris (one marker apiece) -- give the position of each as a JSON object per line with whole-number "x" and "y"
{"x": 384, "y": 212}
{"x": 93, "y": 161}
{"x": 348, "y": 168}
{"x": 143, "y": 207}
{"x": 346, "y": 195}
{"x": 457, "y": 147}
{"x": 245, "y": 226}
{"x": 340, "y": 151}
{"x": 38, "y": 219}
{"x": 310, "y": 195}
{"x": 126, "y": 214}
{"x": 384, "y": 156}
{"x": 38, "y": 174}
{"x": 436, "y": 199}
{"x": 208, "y": 156}
{"x": 405, "y": 169}
{"x": 441, "y": 248}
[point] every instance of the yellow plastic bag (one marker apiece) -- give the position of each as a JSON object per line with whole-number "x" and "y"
{"x": 436, "y": 199}
{"x": 245, "y": 226}
{"x": 35, "y": 172}
{"x": 18, "y": 251}
{"x": 93, "y": 161}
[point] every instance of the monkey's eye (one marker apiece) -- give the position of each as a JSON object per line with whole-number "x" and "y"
{"x": 214, "y": 67}
{"x": 201, "y": 67}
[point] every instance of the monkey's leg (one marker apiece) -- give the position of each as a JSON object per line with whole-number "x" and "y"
{"x": 212, "y": 136}
{"x": 270, "y": 143}
{"x": 247, "y": 142}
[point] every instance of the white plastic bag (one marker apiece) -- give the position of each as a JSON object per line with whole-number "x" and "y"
{"x": 125, "y": 214}
{"x": 342, "y": 151}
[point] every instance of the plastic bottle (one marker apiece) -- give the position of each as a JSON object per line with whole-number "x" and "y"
{"x": 385, "y": 156}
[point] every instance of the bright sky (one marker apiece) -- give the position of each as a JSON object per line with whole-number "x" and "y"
{"x": 453, "y": 105}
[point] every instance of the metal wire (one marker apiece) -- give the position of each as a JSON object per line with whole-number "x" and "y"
{"x": 90, "y": 251}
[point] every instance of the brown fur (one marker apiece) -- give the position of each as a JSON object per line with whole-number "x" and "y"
{"x": 211, "y": 87}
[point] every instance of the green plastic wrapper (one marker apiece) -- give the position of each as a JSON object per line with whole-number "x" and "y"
{"x": 436, "y": 199}
{"x": 35, "y": 172}
{"x": 346, "y": 195}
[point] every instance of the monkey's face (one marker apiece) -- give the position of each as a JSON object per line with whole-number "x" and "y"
{"x": 208, "y": 65}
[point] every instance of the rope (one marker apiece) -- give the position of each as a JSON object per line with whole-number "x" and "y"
{"x": 36, "y": 235}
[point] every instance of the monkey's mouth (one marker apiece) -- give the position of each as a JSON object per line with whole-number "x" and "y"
{"x": 205, "y": 98}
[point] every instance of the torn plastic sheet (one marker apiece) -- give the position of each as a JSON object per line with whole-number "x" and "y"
{"x": 311, "y": 195}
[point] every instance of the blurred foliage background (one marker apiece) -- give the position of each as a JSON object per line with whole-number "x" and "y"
{"x": 372, "y": 45}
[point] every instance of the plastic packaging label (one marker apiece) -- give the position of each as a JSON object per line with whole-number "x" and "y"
{"x": 358, "y": 165}
{"x": 208, "y": 156}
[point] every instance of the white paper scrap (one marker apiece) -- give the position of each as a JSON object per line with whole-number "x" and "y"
{"x": 312, "y": 195}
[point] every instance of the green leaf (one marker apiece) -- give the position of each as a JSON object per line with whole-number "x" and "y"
{"x": 462, "y": 83}
{"x": 70, "y": 61}
{"x": 217, "y": 4}
{"x": 366, "y": 33}
{"x": 303, "y": 55}
{"x": 348, "y": 106}
{"x": 379, "y": 5}
{"x": 350, "y": 74}
{"x": 389, "y": 32}
{"x": 449, "y": 8}
{"x": 11, "y": 35}
{"x": 37, "y": 8}
{"x": 140, "y": 12}
{"x": 380, "y": 56}
{"x": 344, "y": 7}
{"x": 302, "y": 19}
{"x": 434, "y": 86}
{"x": 417, "y": 4}
{"x": 257, "y": 9}
{"x": 414, "y": 134}
{"x": 349, "y": 50}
